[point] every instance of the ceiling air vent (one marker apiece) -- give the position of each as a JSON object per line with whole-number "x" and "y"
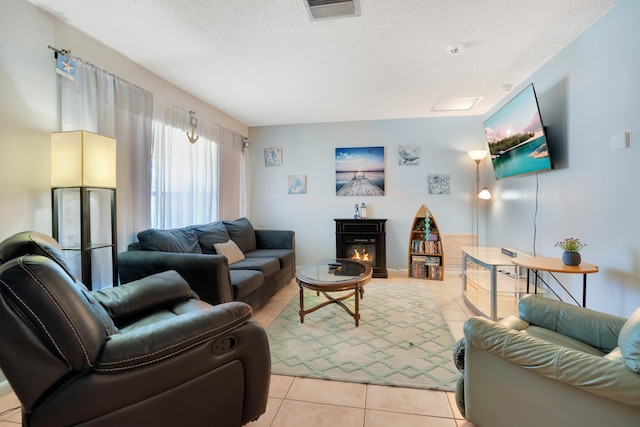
{"x": 331, "y": 9}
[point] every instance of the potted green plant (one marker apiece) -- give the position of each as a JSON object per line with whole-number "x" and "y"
{"x": 571, "y": 247}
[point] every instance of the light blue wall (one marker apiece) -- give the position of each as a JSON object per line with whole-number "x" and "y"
{"x": 587, "y": 93}
{"x": 310, "y": 150}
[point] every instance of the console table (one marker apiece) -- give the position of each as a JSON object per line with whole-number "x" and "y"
{"x": 491, "y": 259}
{"x": 555, "y": 265}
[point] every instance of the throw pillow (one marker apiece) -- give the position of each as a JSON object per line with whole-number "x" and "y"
{"x": 210, "y": 234}
{"x": 241, "y": 231}
{"x": 230, "y": 250}
{"x": 177, "y": 240}
{"x": 629, "y": 341}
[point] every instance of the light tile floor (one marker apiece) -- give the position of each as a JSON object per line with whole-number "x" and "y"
{"x": 317, "y": 403}
{"x": 307, "y": 402}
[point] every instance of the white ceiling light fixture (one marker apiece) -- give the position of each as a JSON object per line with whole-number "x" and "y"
{"x": 332, "y": 9}
{"x": 456, "y": 104}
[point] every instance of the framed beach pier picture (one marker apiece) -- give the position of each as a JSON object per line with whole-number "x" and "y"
{"x": 360, "y": 171}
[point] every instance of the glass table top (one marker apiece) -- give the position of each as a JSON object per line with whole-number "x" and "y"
{"x": 333, "y": 271}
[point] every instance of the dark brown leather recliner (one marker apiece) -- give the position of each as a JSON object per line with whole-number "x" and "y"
{"x": 146, "y": 353}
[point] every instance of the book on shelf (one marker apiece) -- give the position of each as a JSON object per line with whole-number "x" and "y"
{"x": 426, "y": 246}
{"x": 435, "y": 271}
{"x": 425, "y": 259}
{"x": 424, "y": 270}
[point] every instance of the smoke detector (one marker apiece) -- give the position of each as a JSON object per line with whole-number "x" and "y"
{"x": 454, "y": 48}
{"x": 332, "y": 9}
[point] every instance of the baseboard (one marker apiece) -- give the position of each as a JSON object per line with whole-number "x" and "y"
{"x": 5, "y": 388}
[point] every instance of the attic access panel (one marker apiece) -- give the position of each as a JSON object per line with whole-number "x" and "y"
{"x": 332, "y": 9}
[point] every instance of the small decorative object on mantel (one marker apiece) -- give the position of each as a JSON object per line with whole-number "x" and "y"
{"x": 363, "y": 211}
{"x": 571, "y": 247}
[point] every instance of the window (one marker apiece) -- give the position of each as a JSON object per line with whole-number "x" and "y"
{"x": 184, "y": 176}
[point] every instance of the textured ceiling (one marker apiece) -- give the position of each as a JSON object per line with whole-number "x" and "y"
{"x": 264, "y": 62}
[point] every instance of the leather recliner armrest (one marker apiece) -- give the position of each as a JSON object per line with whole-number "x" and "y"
{"x": 136, "y": 298}
{"x": 610, "y": 379}
{"x": 167, "y": 338}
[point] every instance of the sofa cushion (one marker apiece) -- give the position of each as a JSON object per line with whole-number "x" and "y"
{"x": 230, "y": 250}
{"x": 182, "y": 240}
{"x": 241, "y": 231}
{"x": 244, "y": 282}
{"x": 210, "y": 234}
{"x": 265, "y": 265}
{"x": 285, "y": 256}
{"x": 629, "y": 341}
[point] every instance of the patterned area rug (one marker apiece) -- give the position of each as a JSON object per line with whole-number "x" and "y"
{"x": 402, "y": 340}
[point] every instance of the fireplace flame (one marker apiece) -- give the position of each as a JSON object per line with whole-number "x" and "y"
{"x": 361, "y": 256}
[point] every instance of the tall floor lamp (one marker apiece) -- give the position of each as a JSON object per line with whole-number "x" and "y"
{"x": 478, "y": 156}
{"x": 83, "y": 196}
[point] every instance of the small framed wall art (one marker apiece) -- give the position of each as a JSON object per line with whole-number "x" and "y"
{"x": 409, "y": 155}
{"x": 297, "y": 184}
{"x": 273, "y": 156}
{"x": 438, "y": 183}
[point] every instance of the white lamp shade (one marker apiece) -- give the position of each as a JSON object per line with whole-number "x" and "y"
{"x": 82, "y": 159}
{"x": 478, "y": 155}
{"x": 485, "y": 194}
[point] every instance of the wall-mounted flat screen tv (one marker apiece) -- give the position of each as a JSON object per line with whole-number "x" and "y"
{"x": 516, "y": 137}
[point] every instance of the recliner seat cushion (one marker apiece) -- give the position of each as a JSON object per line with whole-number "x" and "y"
{"x": 181, "y": 240}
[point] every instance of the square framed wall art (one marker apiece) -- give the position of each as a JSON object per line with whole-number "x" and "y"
{"x": 297, "y": 184}
{"x": 439, "y": 183}
{"x": 360, "y": 171}
{"x": 409, "y": 155}
{"x": 273, "y": 156}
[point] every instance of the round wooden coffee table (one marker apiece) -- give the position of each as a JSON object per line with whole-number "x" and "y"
{"x": 334, "y": 275}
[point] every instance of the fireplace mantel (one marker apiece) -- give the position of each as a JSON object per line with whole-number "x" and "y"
{"x": 369, "y": 232}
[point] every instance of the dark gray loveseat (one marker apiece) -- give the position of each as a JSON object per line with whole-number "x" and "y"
{"x": 269, "y": 262}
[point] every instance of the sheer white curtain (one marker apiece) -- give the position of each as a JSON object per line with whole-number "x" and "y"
{"x": 232, "y": 202}
{"x": 184, "y": 189}
{"x": 163, "y": 181}
{"x": 102, "y": 103}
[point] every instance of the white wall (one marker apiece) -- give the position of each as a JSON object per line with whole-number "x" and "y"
{"x": 587, "y": 93}
{"x": 29, "y": 108}
{"x": 310, "y": 150}
{"x": 29, "y": 112}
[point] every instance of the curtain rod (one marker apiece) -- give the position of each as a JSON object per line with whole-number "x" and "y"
{"x": 65, "y": 52}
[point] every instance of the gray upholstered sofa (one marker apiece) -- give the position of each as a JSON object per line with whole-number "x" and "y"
{"x": 268, "y": 261}
{"x": 556, "y": 364}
